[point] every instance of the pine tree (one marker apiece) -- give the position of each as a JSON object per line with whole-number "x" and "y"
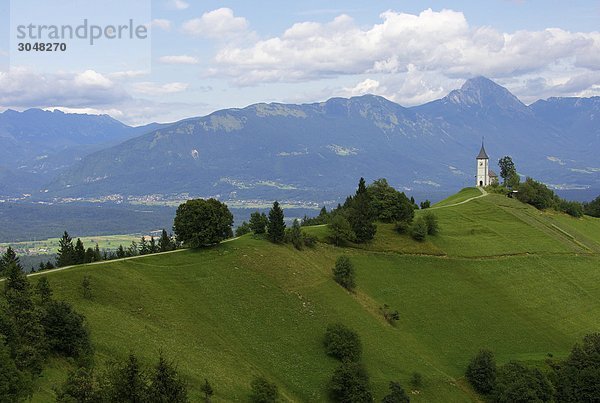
{"x": 208, "y": 391}
{"x": 153, "y": 247}
{"x": 144, "y": 246}
{"x": 361, "y": 215}
{"x": 97, "y": 254}
{"x": 258, "y": 222}
{"x": 166, "y": 384}
{"x": 165, "y": 243}
{"x": 43, "y": 290}
{"x": 121, "y": 253}
{"x": 129, "y": 382}
{"x": 79, "y": 252}
{"x": 9, "y": 257}
{"x": 66, "y": 251}
{"x": 276, "y": 226}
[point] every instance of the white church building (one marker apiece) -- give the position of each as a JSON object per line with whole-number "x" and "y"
{"x": 485, "y": 176}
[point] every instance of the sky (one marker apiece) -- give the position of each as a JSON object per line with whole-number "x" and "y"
{"x": 200, "y": 55}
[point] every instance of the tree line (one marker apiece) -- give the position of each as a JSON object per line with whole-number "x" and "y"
{"x": 538, "y": 194}
{"x": 574, "y": 379}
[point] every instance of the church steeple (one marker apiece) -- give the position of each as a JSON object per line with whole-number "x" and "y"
{"x": 482, "y": 154}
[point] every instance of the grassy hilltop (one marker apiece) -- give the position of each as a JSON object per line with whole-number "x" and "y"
{"x": 500, "y": 275}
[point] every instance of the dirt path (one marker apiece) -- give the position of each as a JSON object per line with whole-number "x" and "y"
{"x": 483, "y": 194}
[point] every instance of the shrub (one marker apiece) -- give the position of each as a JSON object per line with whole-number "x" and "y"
{"x": 418, "y": 231}
{"x": 416, "y": 380}
{"x": 341, "y": 231}
{"x": 396, "y": 395}
{"x": 343, "y": 273}
{"x": 481, "y": 372}
{"x": 390, "y": 316}
{"x": 350, "y": 383}
{"x": 516, "y": 383}
{"x": 263, "y": 391}
{"x": 342, "y": 343}
{"x": 578, "y": 377}
{"x": 432, "y": 223}
{"x": 402, "y": 227}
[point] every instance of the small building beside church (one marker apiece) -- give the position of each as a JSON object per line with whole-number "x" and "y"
{"x": 485, "y": 176}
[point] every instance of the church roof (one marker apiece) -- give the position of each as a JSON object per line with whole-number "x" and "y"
{"x": 492, "y": 174}
{"x": 482, "y": 154}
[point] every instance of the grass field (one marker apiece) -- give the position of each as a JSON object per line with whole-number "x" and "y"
{"x": 500, "y": 275}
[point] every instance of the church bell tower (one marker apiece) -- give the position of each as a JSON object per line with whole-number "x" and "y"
{"x": 483, "y": 168}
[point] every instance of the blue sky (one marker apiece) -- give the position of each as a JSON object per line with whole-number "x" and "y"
{"x": 206, "y": 55}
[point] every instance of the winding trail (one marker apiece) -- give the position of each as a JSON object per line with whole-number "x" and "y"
{"x": 483, "y": 194}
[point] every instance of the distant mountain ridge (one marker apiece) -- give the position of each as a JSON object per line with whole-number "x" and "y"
{"x": 317, "y": 151}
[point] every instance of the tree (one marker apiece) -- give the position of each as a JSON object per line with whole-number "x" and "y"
{"x": 425, "y": 204}
{"x": 166, "y": 385}
{"x": 294, "y": 235}
{"x": 592, "y": 208}
{"x": 8, "y": 257}
{"x": 578, "y": 376}
{"x": 343, "y": 273}
{"x": 90, "y": 256}
{"x": 341, "y": 232}
{"x": 66, "y": 251}
{"x": 86, "y": 286}
{"x": 396, "y": 395}
{"x": 419, "y": 229}
{"x": 81, "y": 386}
{"x": 276, "y": 225}
{"x": 431, "y": 222}
{"x": 481, "y": 372}
{"x": 342, "y": 343}
{"x": 43, "y": 290}
{"x": 515, "y": 383}
{"x": 13, "y": 382}
{"x": 153, "y": 247}
{"x": 258, "y": 222}
{"x": 203, "y": 222}
{"x": 388, "y": 204}
{"x": 144, "y": 246}
{"x": 65, "y": 330}
{"x": 133, "y": 249}
{"x": 536, "y": 193}
{"x": 121, "y": 253}
{"x": 79, "y": 252}
{"x": 507, "y": 169}
{"x": 263, "y": 391}
{"x": 243, "y": 229}
{"x": 416, "y": 380}
{"x": 128, "y": 382}
{"x": 165, "y": 243}
{"x": 361, "y": 214}
{"x": 207, "y": 389}
{"x": 350, "y": 383}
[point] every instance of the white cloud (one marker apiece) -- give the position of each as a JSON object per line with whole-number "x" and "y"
{"x": 163, "y": 24}
{"x": 179, "y": 59}
{"x": 150, "y": 88}
{"x": 21, "y": 87}
{"x": 438, "y": 44}
{"x": 178, "y": 4}
{"x": 368, "y": 86}
{"x": 217, "y": 23}
{"x": 118, "y": 75}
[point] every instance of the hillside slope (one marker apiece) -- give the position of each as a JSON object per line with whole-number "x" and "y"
{"x": 499, "y": 275}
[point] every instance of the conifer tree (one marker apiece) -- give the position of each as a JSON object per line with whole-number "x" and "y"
{"x": 152, "y": 245}
{"x": 258, "y": 222}
{"x": 43, "y": 290}
{"x": 166, "y": 384}
{"x": 79, "y": 252}
{"x": 144, "y": 246}
{"x": 360, "y": 215}
{"x": 128, "y": 382}
{"x": 66, "y": 251}
{"x": 9, "y": 257}
{"x": 165, "y": 243}
{"x": 276, "y": 226}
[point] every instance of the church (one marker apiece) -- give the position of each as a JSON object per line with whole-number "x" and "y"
{"x": 485, "y": 176}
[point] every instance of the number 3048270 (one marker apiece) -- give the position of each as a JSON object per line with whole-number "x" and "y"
{"x": 42, "y": 47}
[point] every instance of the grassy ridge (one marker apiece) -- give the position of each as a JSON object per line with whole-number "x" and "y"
{"x": 498, "y": 276}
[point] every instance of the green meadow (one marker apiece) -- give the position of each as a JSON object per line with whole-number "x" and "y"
{"x": 499, "y": 275}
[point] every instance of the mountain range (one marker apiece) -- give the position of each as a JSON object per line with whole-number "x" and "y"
{"x": 310, "y": 152}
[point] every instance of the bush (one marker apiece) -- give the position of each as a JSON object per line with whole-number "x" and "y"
{"x": 578, "y": 377}
{"x": 593, "y": 208}
{"x": 342, "y": 343}
{"x": 309, "y": 240}
{"x": 263, "y": 391}
{"x": 416, "y": 380}
{"x": 350, "y": 383}
{"x": 343, "y": 273}
{"x": 481, "y": 372}
{"x": 402, "y": 227}
{"x": 293, "y": 235}
{"x": 418, "y": 231}
{"x": 396, "y": 395}
{"x": 390, "y": 316}
{"x": 425, "y": 204}
{"x": 535, "y": 193}
{"x": 341, "y": 231}
{"x": 243, "y": 229}
{"x": 572, "y": 208}
{"x": 516, "y": 383}
{"x": 432, "y": 223}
